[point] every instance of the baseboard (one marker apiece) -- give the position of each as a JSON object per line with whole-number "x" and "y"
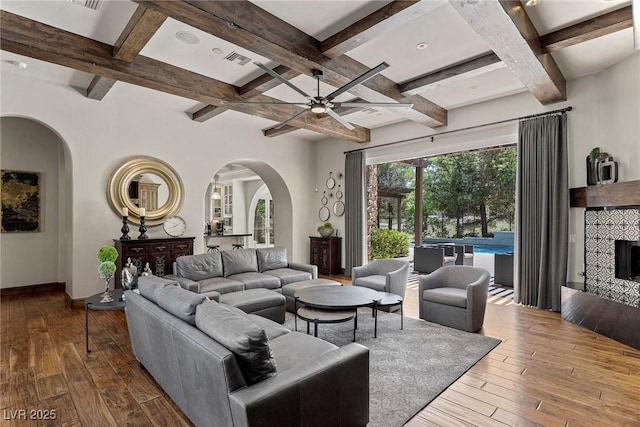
{"x": 33, "y": 289}
{"x": 73, "y": 303}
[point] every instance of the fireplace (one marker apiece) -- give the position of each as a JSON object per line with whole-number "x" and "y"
{"x": 612, "y": 254}
{"x": 627, "y": 258}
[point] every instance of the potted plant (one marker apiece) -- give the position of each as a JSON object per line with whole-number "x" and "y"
{"x": 107, "y": 268}
{"x": 326, "y": 229}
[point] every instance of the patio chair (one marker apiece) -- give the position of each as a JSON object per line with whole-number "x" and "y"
{"x": 464, "y": 254}
{"x": 454, "y": 296}
{"x": 429, "y": 259}
{"x": 383, "y": 275}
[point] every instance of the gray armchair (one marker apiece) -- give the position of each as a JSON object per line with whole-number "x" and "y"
{"x": 455, "y": 296}
{"x": 383, "y": 275}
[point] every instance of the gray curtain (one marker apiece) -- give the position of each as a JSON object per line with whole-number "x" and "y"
{"x": 354, "y": 212}
{"x": 543, "y": 211}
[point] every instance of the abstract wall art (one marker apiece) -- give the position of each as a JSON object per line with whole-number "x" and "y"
{"x": 20, "y": 192}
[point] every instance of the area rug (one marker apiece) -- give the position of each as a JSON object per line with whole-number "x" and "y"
{"x": 409, "y": 367}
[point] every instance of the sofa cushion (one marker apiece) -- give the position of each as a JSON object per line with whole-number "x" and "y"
{"x": 221, "y": 285}
{"x": 149, "y": 285}
{"x": 447, "y": 296}
{"x": 271, "y": 328}
{"x": 253, "y": 300}
{"x": 298, "y": 349}
{"x": 239, "y": 335}
{"x": 289, "y": 275}
{"x": 255, "y": 280}
{"x": 271, "y": 259}
{"x": 239, "y": 261}
{"x": 179, "y": 302}
{"x": 201, "y": 266}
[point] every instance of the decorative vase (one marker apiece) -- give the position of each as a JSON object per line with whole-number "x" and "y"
{"x": 592, "y": 171}
{"x": 325, "y": 232}
{"x": 106, "y": 296}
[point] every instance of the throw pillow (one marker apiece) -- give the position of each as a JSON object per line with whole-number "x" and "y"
{"x": 149, "y": 285}
{"x": 199, "y": 267}
{"x": 238, "y": 261}
{"x": 240, "y": 336}
{"x": 271, "y": 259}
{"x": 179, "y": 302}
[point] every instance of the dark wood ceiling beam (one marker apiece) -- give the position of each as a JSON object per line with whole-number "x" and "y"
{"x": 463, "y": 70}
{"x": 506, "y": 28}
{"x": 142, "y": 25}
{"x": 250, "y": 27}
{"x": 588, "y": 30}
{"x": 26, "y": 37}
{"x": 388, "y": 17}
{"x": 255, "y": 87}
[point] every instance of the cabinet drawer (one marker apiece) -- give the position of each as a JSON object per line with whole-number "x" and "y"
{"x": 159, "y": 247}
{"x": 135, "y": 249}
{"x": 182, "y": 247}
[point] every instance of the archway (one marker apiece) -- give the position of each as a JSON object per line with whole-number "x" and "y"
{"x": 242, "y": 200}
{"x": 28, "y": 145}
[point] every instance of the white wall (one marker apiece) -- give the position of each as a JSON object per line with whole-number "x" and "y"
{"x": 33, "y": 258}
{"x": 100, "y": 134}
{"x": 606, "y": 114}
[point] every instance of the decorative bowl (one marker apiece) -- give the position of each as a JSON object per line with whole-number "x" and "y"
{"x": 325, "y": 232}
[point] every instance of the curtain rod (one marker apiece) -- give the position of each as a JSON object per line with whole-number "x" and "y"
{"x": 402, "y": 141}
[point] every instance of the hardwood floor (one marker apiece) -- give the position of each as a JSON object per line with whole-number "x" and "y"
{"x": 546, "y": 371}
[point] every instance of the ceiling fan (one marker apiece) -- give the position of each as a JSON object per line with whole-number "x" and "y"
{"x": 324, "y": 104}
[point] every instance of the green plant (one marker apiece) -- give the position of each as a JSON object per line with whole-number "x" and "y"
{"x": 326, "y": 225}
{"x": 387, "y": 243}
{"x": 594, "y": 154}
{"x": 106, "y": 269}
{"x": 107, "y": 253}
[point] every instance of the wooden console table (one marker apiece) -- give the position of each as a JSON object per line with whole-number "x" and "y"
{"x": 159, "y": 253}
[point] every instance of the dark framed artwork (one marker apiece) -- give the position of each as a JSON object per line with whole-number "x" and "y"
{"x": 20, "y": 192}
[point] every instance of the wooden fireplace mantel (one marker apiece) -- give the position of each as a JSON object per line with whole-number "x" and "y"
{"x": 617, "y": 194}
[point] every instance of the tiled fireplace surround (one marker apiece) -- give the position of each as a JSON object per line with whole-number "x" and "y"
{"x": 602, "y": 229}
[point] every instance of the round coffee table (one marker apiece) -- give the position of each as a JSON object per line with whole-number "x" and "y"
{"x": 337, "y": 298}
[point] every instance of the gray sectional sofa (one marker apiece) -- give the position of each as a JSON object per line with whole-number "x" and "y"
{"x": 240, "y": 269}
{"x": 224, "y": 367}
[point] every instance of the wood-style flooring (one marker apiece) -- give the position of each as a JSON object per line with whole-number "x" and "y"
{"x": 546, "y": 371}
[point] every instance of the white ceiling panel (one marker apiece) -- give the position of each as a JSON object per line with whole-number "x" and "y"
{"x": 374, "y": 117}
{"x": 104, "y": 25}
{"x": 46, "y": 71}
{"x": 447, "y": 44}
{"x": 320, "y": 19}
{"x": 200, "y": 57}
{"x": 458, "y": 93}
{"x": 309, "y": 86}
{"x": 595, "y": 55}
{"x": 551, "y": 15}
{"x": 157, "y": 99}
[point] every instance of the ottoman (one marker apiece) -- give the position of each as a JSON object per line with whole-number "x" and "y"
{"x": 290, "y": 290}
{"x": 262, "y": 302}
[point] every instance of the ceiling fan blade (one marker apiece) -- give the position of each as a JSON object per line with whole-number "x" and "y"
{"x": 372, "y": 104}
{"x": 366, "y": 76}
{"x": 282, "y": 79}
{"x": 264, "y": 102}
{"x": 278, "y": 126}
{"x": 340, "y": 120}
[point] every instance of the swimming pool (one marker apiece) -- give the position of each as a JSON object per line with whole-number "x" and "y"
{"x": 492, "y": 249}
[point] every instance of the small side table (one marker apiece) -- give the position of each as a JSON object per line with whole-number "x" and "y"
{"x": 316, "y": 316}
{"x": 93, "y": 303}
{"x": 387, "y": 300}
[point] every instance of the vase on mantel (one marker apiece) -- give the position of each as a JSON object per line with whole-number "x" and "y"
{"x": 592, "y": 171}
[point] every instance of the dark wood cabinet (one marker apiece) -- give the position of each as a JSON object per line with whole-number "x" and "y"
{"x": 326, "y": 253}
{"x": 159, "y": 253}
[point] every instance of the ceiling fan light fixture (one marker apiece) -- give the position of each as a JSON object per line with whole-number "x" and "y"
{"x": 318, "y": 108}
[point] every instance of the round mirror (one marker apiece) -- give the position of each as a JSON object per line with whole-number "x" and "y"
{"x": 331, "y": 183}
{"x": 338, "y": 208}
{"x": 339, "y": 193}
{"x": 324, "y": 213}
{"x": 324, "y": 200}
{"x": 145, "y": 182}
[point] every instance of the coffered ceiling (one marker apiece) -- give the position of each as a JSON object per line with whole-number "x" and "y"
{"x": 441, "y": 54}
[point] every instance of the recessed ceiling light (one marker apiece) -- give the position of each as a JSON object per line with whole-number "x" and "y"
{"x": 421, "y": 45}
{"x": 531, "y": 3}
{"x": 187, "y": 37}
{"x": 18, "y": 64}
{"x": 217, "y": 51}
